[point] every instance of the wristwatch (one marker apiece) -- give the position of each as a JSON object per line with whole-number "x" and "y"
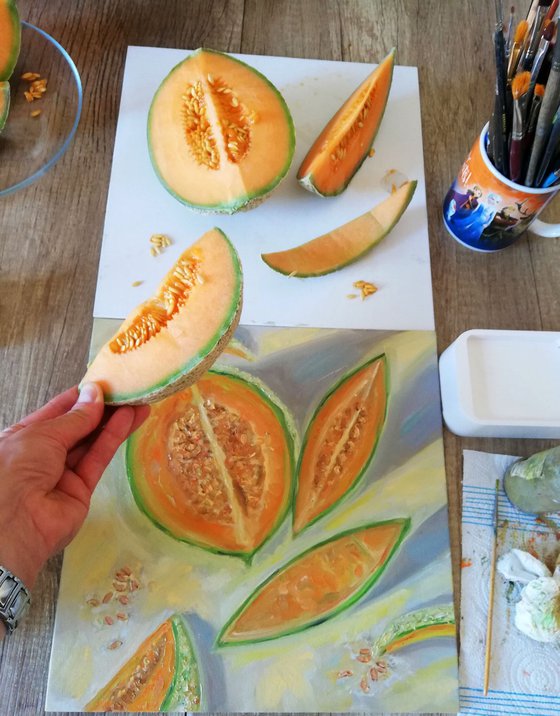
{"x": 14, "y": 599}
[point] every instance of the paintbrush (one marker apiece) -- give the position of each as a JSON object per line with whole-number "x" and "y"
{"x": 511, "y": 23}
{"x": 491, "y": 595}
{"x": 552, "y": 11}
{"x": 535, "y": 34}
{"x": 547, "y": 112}
{"x": 532, "y": 123}
{"x": 518, "y": 40}
{"x": 550, "y": 150}
{"x": 551, "y": 179}
{"x": 499, "y": 123}
{"x": 542, "y": 49}
{"x": 519, "y": 89}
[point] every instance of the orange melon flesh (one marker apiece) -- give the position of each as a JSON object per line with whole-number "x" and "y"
{"x": 340, "y": 149}
{"x": 346, "y": 244}
{"x": 266, "y": 119}
{"x": 421, "y": 634}
{"x": 316, "y": 585}
{"x": 191, "y": 339}
{"x": 159, "y": 648}
{"x": 4, "y": 103}
{"x": 231, "y": 514}
{"x": 10, "y": 38}
{"x": 340, "y": 441}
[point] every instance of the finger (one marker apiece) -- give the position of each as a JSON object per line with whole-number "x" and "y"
{"x": 78, "y": 422}
{"x": 141, "y": 413}
{"x": 93, "y": 464}
{"x": 59, "y": 405}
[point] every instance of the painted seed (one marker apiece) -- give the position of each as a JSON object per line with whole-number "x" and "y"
{"x": 115, "y": 644}
{"x": 121, "y": 616}
{"x": 91, "y": 602}
{"x": 123, "y": 599}
{"x": 109, "y": 620}
{"x": 107, "y": 598}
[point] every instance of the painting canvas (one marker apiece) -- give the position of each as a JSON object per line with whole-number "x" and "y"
{"x": 312, "y": 570}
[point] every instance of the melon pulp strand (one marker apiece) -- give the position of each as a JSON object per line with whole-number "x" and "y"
{"x": 168, "y": 341}
{"x": 340, "y": 441}
{"x": 347, "y": 243}
{"x": 213, "y": 465}
{"x": 341, "y": 148}
{"x": 4, "y": 103}
{"x": 10, "y": 38}
{"x": 316, "y": 585}
{"x": 220, "y": 135}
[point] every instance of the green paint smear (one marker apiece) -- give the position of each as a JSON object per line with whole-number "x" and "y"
{"x": 185, "y": 692}
{"x": 414, "y": 621}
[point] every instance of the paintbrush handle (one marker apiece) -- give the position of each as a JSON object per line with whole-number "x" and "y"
{"x": 516, "y": 159}
{"x": 549, "y": 151}
{"x": 500, "y": 109}
{"x": 548, "y": 110}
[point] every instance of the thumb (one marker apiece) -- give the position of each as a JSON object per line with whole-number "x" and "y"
{"x": 81, "y": 420}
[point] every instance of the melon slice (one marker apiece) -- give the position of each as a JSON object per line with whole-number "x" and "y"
{"x": 4, "y": 103}
{"x": 346, "y": 244}
{"x": 316, "y": 585}
{"x": 162, "y": 675}
{"x": 342, "y": 146}
{"x": 213, "y": 465}
{"x": 340, "y": 441}
{"x": 167, "y": 342}
{"x": 220, "y": 134}
{"x": 10, "y": 38}
{"x": 414, "y": 627}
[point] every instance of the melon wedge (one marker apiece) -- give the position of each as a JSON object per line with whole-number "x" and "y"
{"x": 10, "y": 38}
{"x": 162, "y": 675}
{"x": 340, "y": 441}
{"x": 316, "y": 585}
{"x": 167, "y": 342}
{"x": 4, "y": 103}
{"x": 414, "y": 627}
{"x": 346, "y": 244}
{"x": 342, "y": 146}
{"x": 220, "y": 135}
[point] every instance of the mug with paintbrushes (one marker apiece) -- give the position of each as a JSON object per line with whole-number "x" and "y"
{"x": 486, "y": 211}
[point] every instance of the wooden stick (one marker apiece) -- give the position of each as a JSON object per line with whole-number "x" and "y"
{"x": 491, "y": 595}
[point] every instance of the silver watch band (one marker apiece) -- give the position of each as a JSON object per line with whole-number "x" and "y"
{"x": 14, "y": 599}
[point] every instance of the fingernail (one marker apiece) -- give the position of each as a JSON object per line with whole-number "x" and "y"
{"x": 90, "y": 393}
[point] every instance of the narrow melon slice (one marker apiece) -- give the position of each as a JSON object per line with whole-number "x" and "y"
{"x": 220, "y": 134}
{"x": 167, "y": 342}
{"x": 340, "y": 441}
{"x": 10, "y": 38}
{"x": 417, "y": 626}
{"x": 342, "y": 146}
{"x": 4, "y": 103}
{"x": 316, "y": 585}
{"x": 346, "y": 244}
{"x": 162, "y": 675}
{"x": 213, "y": 465}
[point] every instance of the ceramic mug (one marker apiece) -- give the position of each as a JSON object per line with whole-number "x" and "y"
{"x": 487, "y": 212}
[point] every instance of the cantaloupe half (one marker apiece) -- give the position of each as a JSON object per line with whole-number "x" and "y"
{"x": 4, "y": 103}
{"x": 220, "y": 134}
{"x": 346, "y": 244}
{"x": 10, "y": 38}
{"x": 340, "y": 149}
{"x": 167, "y": 342}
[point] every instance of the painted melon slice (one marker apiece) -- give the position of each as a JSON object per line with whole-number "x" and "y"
{"x": 10, "y": 38}
{"x": 220, "y": 134}
{"x": 213, "y": 465}
{"x": 167, "y": 342}
{"x": 162, "y": 675}
{"x": 340, "y": 441}
{"x": 342, "y": 146}
{"x": 316, "y": 585}
{"x": 4, "y": 103}
{"x": 346, "y": 244}
{"x": 417, "y": 626}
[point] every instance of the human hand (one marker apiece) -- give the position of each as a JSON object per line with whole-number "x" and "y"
{"x": 50, "y": 463}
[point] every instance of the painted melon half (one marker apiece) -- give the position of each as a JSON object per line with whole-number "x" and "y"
{"x": 162, "y": 675}
{"x": 340, "y": 441}
{"x": 220, "y": 135}
{"x": 345, "y": 244}
{"x": 316, "y": 585}
{"x": 213, "y": 465}
{"x": 10, "y": 38}
{"x": 339, "y": 151}
{"x": 171, "y": 339}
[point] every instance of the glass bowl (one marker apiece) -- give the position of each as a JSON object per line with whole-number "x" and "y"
{"x": 31, "y": 145}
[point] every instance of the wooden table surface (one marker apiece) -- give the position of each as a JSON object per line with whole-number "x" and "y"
{"x": 51, "y": 232}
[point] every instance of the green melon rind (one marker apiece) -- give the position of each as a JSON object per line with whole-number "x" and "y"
{"x": 414, "y": 621}
{"x": 221, "y": 640}
{"x": 353, "y": 259}
{"x": 4, "y": 103}
{"x": 196, "y": 360}
{"x": 359, "y": 476}
{"x": 246, "y": 201}
{"x": 7, "y": 70}
{"x": 185, "y": 690}
{"x": 307, "y": 180}
{"x": 288, "y": 426}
